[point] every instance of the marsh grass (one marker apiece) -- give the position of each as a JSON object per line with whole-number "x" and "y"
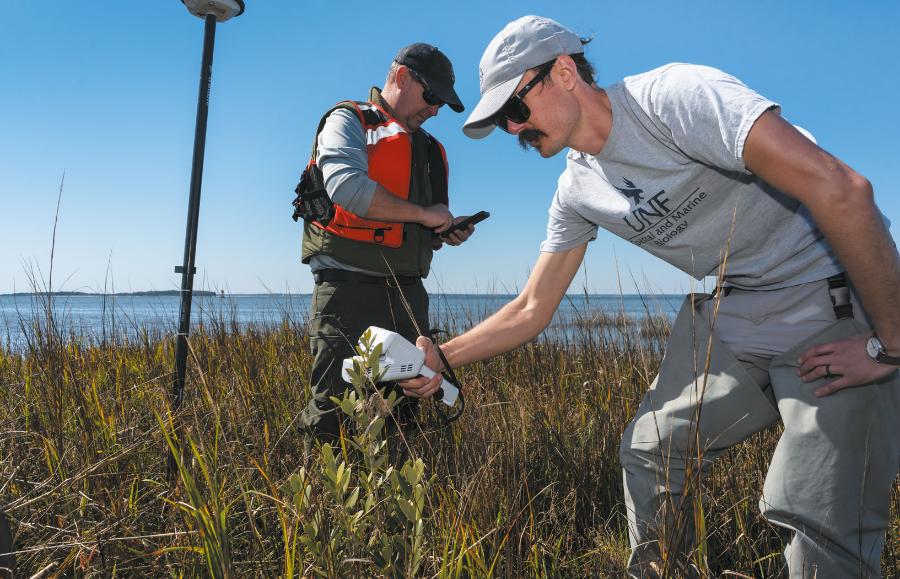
{"x": 525, "y": 484}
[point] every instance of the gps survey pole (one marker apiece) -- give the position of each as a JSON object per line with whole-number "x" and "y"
{"x": 211, "y": 11}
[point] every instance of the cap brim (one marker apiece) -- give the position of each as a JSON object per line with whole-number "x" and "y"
{"x": 454, "y": 104}
{"x": 481, "y": 122}
{"x": 447, "y": 94}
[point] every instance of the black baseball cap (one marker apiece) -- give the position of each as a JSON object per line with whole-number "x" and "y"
{"x": 436, "y": 70}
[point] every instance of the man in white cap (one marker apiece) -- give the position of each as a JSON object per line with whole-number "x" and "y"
{"x": 693, "y": 166}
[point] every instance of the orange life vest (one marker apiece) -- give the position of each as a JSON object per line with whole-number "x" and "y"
{"x": 389, "y": 150}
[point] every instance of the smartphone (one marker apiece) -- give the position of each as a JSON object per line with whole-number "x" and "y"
{"x": 465, "y": 223}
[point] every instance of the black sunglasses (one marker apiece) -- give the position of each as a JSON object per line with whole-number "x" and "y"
{"x": 515, "y": 109}
{"x": 428, "y": 96}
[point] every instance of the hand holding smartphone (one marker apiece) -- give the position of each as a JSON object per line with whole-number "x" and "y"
{"x": 465, "y": 223}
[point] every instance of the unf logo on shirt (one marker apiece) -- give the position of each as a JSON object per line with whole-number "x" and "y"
{"x": 643, "y": 212}
{"x": 631, "y": 191}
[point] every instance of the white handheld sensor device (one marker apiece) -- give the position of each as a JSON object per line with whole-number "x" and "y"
{"x": 400, "y": 360}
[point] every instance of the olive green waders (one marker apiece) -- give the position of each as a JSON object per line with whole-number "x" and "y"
{"x": 341, "y": 312}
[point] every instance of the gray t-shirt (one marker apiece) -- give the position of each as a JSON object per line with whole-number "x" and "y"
{"x": 671, "y": 179}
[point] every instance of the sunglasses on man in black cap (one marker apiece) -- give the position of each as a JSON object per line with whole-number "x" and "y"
{"x": 428, "y": 96}
{"x": 433, "y": 70}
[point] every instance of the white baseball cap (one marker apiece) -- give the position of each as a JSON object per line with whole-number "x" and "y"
{"x": 525, "y": 43}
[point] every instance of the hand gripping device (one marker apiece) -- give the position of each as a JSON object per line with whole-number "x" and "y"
{"x": 400, "y": 360}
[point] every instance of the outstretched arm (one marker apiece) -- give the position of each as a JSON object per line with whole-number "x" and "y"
{"x": 516, "y": 323}
{"x": 842, "y": 204}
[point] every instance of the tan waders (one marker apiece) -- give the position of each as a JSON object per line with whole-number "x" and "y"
{"x": 830, "y": 477}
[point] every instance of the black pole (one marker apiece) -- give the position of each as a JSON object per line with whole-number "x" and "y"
{"x": 187, "y": 269}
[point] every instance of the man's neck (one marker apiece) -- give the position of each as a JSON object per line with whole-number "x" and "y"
{"x": 596, "y": 121}
{"x": 386, "y": 99}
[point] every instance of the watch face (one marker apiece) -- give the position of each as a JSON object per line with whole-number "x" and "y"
{"x": 873, "y": 347}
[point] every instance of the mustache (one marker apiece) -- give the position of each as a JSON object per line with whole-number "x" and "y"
{"x": 528, "y": 135}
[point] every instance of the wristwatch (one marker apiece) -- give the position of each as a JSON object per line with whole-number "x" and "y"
{"x": 875, "y": 350}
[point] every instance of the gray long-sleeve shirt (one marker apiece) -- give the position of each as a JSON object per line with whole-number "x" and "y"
{"x": 342, "y": 156}
{"x": 344, "y": 162}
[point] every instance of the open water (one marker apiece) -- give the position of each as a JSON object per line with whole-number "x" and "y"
{"x": 125, "y": 317}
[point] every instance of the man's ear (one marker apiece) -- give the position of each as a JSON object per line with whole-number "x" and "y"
{"x": 402, "y": 76}
{"x": 566, "y": 71}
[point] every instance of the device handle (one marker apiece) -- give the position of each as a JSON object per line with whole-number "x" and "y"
{"x": 448, "y": 392}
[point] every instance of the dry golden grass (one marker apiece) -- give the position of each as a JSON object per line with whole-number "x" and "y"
{"x": 526, "y": 484}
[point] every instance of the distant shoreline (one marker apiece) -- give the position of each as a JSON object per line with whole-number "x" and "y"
{"x": 117, "y": 294}
{"x": 207, "y": 293}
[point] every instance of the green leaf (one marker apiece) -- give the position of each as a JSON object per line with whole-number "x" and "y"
{"x": 347, "y": 406}
{"x": 351, "y": 500}
{"x": 408, "y": 509}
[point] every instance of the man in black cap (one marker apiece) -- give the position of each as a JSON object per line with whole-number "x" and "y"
{"x": 387, "y": 180}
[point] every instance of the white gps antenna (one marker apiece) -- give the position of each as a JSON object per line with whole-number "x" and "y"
{"x": 221, "y": 9}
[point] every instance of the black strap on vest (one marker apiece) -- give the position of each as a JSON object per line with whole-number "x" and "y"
{"x": 437, "y": 172}
{"x": 840, "y": 296}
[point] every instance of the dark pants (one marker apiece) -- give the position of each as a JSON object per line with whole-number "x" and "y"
{"x": 341, "y": 312}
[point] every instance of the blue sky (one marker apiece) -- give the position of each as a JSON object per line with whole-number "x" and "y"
{"x": 106, "y": 90}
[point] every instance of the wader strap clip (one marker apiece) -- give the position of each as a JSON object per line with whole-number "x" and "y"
{"x": 840, "y": 296}
{"x": 724, "y": 290}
